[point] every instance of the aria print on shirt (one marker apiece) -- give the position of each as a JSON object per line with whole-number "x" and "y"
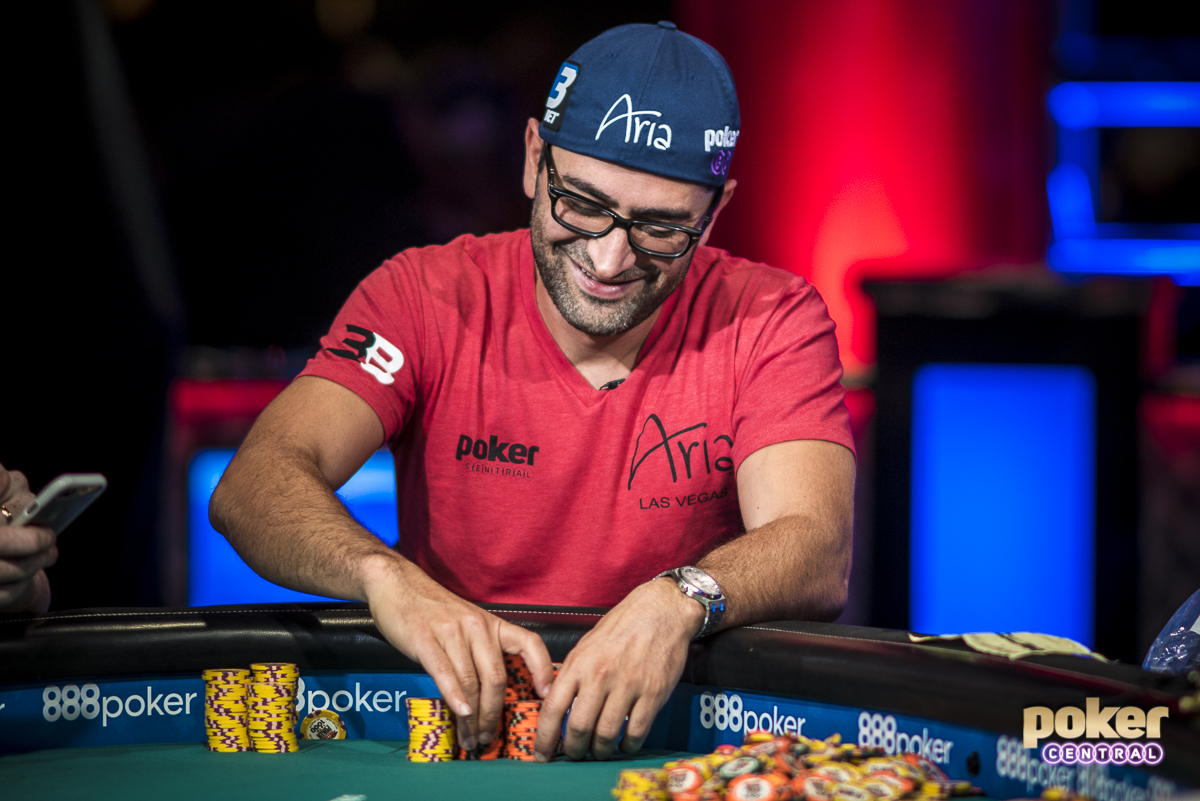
{"x": 686, "y": 465}
{"x": 374, "y": 354}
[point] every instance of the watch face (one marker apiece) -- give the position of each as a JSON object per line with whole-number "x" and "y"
{"x": 700, "y": 580}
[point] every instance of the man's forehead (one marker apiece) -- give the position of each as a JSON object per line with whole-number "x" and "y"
{"x": 617, "y": 184}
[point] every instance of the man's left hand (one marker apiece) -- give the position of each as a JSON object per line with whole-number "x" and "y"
{"x": 25, "y": 551}
{"x": 626, "y": 666}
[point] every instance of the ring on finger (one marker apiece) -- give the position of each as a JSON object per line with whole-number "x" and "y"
{"x": 7, "y": 515}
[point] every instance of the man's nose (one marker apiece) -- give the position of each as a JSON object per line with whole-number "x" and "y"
{"x": 611, "y": 254}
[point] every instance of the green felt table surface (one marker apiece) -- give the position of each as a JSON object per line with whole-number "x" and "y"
{"x": 321, "y": 771}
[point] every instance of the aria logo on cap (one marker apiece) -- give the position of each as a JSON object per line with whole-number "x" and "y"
{"x": 556, "y": 103}
{"x": 653, "y": 99}
{"x": 634, "y": 124}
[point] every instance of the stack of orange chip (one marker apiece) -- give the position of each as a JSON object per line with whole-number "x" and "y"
{"x": 514, "y": 733}
{"x": 492, "y": 750}
{"x": 522, "y": 730}
{"x": 519, "y": 690}
{"x": 517, "y": 729}
{"x": 520, "y": 679}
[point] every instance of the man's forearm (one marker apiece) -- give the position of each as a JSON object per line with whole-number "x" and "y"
{"x": 282, "y": 516}
{"x": 793, "y": 568}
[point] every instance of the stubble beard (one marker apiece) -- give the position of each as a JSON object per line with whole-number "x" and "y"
{"x": 594, "y": 316}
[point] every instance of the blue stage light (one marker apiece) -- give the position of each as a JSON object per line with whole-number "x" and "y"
{"x": 1003, "y": 499}
{"x": 1082, "y": 245}
{"x": 1125, "y": 104}
{"x": 217, "y": 575}
{"x": 1125, "y": 256}
{"x": 1070, "y": 199}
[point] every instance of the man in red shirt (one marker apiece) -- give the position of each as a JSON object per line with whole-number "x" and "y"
{"x": 597, "y": 411}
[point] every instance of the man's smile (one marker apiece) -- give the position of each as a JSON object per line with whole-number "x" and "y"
{"x": 601, "y": 289}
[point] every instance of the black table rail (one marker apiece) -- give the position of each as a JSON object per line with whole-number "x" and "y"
{"x": 846, "y": 665}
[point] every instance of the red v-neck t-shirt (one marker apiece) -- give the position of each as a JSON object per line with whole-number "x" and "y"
{"x": 516, "y": 481}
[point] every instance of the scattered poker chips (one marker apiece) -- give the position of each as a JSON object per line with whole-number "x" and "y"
{"x": 647, "y": 785}
{"x": 225, "y": 710}
{"x": 770, "y": 767}
{"x": 430, "y": 730}
{"x": 322, "y": 724}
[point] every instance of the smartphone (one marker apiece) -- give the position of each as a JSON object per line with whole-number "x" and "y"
{"x": 61, "y": 501}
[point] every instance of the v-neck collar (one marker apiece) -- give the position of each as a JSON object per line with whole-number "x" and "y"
{"x": 579, "y": 386}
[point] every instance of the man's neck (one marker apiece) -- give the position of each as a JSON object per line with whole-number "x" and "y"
{"x": 600, "y": 360}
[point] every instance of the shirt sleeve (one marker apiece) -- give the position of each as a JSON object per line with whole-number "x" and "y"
{"x": 790, "y": 385}
{"x": 374, "y": 346}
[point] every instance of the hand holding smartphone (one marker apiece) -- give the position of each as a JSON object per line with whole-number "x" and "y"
{"x": 61, "y": 501}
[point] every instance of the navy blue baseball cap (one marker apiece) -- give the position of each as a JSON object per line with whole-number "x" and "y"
{"x": 650, "y": 97}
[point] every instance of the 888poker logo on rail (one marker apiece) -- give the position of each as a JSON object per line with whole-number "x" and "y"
{"x": 728, "y": 715}
{"x": 170, "y": 708}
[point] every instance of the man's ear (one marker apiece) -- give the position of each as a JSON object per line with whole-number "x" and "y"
{"x": 533, "y": 155}
{"x": 726, "y": 196}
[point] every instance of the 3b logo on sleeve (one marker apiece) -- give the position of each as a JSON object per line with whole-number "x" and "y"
{"x": 375, "y": 354}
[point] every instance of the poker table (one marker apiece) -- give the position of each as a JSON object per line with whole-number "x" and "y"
{"x": 108, "y": 703}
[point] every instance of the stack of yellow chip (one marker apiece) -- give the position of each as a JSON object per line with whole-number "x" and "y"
{"x": 225, "y": 710}
{"x": 272, "y": 719}
{"x": 430, "y": 730}
{"x": 285, "y": 674}
{"x": 273, "y": 707}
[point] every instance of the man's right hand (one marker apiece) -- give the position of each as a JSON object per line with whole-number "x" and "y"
{"x": 459, "y": 644}
{"x": 276, "y": 505}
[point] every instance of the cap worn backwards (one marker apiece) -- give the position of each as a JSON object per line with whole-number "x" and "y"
{"x": 650, "y": 97}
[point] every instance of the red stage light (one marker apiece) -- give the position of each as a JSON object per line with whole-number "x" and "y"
{"x": 903, "y": 139}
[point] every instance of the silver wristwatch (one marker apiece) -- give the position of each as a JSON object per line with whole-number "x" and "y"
{"x": 695, "y": 583}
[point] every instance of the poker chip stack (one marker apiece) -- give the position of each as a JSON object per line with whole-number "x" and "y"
{"x": 273, "y": 707}
{"x": 519, "y": 686}
{"x": 225, "y": 710}
{"x": 284, "y": 674}
{"x": 492, "y": 750}
{"x": 431, "y": 726}
{"x": 522, "y": 730}
{"x": 430, "y": 730}
{"x": 521, "y": 709}
{"x": 271, "y": 722}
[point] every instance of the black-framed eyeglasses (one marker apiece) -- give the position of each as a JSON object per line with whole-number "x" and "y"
{"x": 588, "y": 218}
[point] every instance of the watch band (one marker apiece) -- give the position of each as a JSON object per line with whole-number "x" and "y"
{"x": 713, "y": 602}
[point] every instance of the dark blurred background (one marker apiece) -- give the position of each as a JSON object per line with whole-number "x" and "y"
{"x": 199, "y": 185}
